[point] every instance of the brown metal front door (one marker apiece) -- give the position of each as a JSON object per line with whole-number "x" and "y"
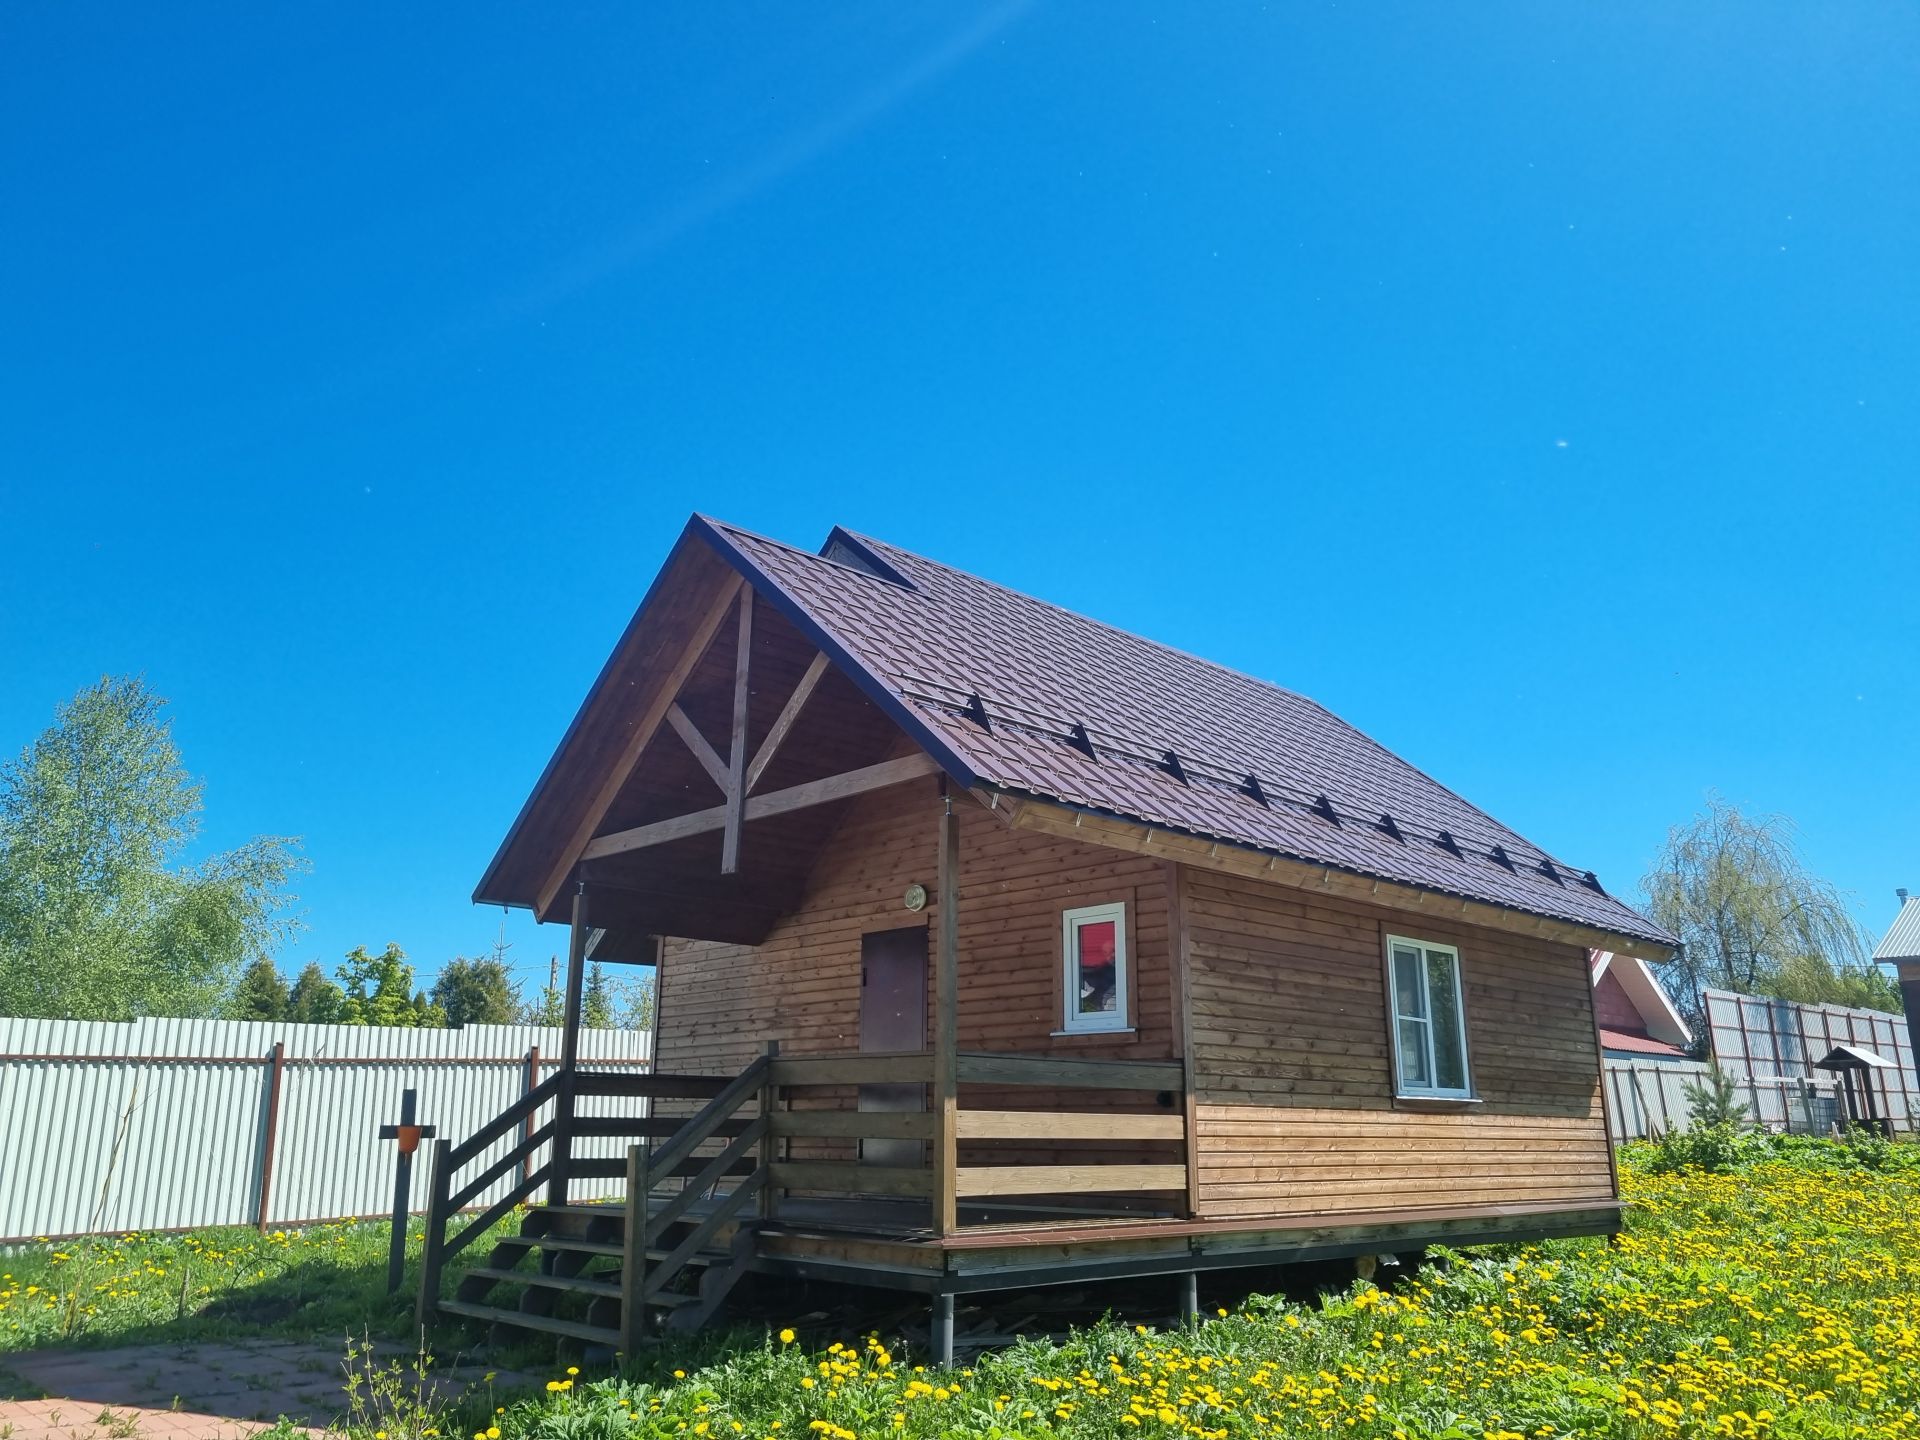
{"x": 893, "y": 1017}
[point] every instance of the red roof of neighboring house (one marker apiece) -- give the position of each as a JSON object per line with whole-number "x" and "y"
{"x": 1078, "y": 712}
{"x": 1639, "y": 1044}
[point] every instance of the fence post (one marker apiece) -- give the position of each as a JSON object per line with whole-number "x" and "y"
{"x": 276, "y": 1070}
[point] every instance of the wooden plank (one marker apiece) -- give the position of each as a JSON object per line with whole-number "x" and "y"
{"x": 1180, "y": 960}
{"x": 563, "y": 1107}
{"x": 504, "y": 1123}
{"x": 946, "y": 1020}
{"x": 494, "y": 1214}
{"x": 1068, "y": 1179}
{"x": 735, "y": 784}
{"x": 845, "y": 1177}
{"x": 1060, "y": 1125}
{"x": 730, "y": 1205}
{"x": 650, "y": 1127}
{"x": 982, "y": 1069}
{"x": 433, "y": 1251}
{"x": 708, "y": 757}
{"x": 637, "y": 742}
{"x": 644, "y": 1086}
{"x": 759, "y": 807}
{"x": 789, "y": 715}
{"x": 614, "y": 1168}
{"x": 726, "y": 1163}
{"x": 907, "y": 1068}
{"x": 854, "y": 1124}
{"x": 633, "y": 1256}
{"x": 701, "y": 1127}
{"x": 518, "y": 1156}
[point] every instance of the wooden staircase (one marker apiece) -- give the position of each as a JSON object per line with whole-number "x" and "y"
{"x": 664, "y": 1256}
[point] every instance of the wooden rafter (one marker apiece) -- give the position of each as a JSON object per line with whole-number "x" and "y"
{"x": 637, "y": 741}
{"x": 789, "y": 713}
{"x": 759, "y": 807}
{"x": 736, "y": 781}
{"x": 708, "y": 757}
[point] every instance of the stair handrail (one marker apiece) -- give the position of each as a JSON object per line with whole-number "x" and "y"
{"x": 701, "y": 1126}
{"x": 640, "y": 1282}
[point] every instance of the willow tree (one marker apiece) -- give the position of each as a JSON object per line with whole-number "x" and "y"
{"x": 102, "y": 916}
{"x": 1752, "y": 917}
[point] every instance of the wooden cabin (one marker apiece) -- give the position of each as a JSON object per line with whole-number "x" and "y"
{"x": 1000, "y": 948}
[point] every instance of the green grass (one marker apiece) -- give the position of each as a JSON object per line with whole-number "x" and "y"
{"x": 323, "y": 1281}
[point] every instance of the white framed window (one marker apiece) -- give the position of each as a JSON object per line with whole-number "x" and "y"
{"x": 1429, "y": 1019}
{"x": 1093, "y": 948}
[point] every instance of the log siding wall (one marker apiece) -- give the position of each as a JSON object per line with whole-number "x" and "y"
{"x": 1293, "y": 1073}
{"x": 720, "y": 1004}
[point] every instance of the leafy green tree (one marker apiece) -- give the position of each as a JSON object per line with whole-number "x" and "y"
{"x": 261, "y": 994}
{"x": 1752, "y": 917}
{"x": 378, "y": 990}
{"x": 478, "y": 992}
{"x": 100, "y": 918}
{"x": 315, "y": 1000}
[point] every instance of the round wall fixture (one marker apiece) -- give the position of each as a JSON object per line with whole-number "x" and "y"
{"x": 916, "y": 898}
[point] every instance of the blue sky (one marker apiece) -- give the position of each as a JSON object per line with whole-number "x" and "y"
{"x": 1535, "y": 385}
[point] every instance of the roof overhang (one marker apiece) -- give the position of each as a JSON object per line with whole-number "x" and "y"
{"x": 1025, "y": 812}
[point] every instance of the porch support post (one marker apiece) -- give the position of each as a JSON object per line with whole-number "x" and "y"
{"x": 1190, "y": 1297}
{"x": 946, "y": 1052}
{"x": 569, "y": 1051}
{"x": 941, "y": 1328}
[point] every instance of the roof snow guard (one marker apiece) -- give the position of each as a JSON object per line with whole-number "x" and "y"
{"x": 1015, "y": 695}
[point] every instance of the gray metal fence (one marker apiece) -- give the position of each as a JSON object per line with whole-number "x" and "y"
{"x": 1646, "y": 1098}
{"x": 168, "y": 1124}
{"x": 1770, "y": 1046}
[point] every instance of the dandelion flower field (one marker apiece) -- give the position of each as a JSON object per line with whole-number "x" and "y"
{"x": 1781, "y": 1298}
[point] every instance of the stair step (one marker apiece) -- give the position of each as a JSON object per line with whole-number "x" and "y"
{"x": 580, "y": 1284}
{"x": 594, "y": 1212}
{"x": 567, "y": 1242}
{"x": 494, "y": 1315}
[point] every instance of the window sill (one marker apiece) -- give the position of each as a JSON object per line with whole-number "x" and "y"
{"x": 1437, "y": 1102}
{"x": 1118, "y": 1031}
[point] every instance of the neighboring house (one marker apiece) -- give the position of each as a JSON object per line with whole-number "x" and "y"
{"x": 1637, "y": 1019}
{"x": 1077, "y": 957}
{"x": 1900, "y": 948}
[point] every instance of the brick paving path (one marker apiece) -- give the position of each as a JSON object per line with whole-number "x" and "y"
{"x": 203, "y": 1391}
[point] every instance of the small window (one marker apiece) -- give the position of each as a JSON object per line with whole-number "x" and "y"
{"x": 1094, "y": 947}
{"x": 1429, "y": 1019}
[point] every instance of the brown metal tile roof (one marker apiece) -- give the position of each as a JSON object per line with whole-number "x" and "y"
{"x": 1172, "y": 738}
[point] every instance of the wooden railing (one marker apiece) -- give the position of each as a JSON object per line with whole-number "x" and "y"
{"x": 1118, "y": 1127}
{"x": 1016, "y": 1127}
{"x": 544, "y": 1156}
{"x": 667, "y": 1177}
{"x": 653, "y": 1211}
